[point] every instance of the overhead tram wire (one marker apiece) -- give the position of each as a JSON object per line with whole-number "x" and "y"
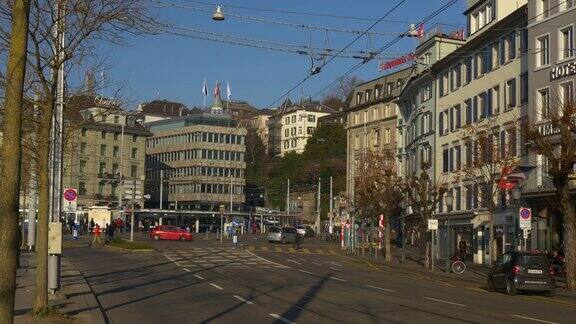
{"x": 342, "y": 50}
{"x": 385, "y": 47}
{"x": 276, "y": 22}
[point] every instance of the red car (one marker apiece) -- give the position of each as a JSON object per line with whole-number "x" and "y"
{"x": 164, "y": 232}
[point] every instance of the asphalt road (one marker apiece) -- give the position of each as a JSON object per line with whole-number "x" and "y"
{"x": 203, "y": 281}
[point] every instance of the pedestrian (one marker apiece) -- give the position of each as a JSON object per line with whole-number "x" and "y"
{"x": 188, "y": 228}
{"x": 96, "y": 231}
{"x": 91, "y": 224}
{"x": 462, "y": 247}
{"x": 19, "y": 246}
{"x": 297, "y": 241}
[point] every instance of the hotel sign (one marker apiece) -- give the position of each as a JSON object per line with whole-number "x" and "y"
{"x": 562, "y": 71}
{"x": 396, "y": 62}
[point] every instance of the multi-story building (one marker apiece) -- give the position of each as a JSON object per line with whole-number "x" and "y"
{"x": 161, "y": 109}
{"x": 292, "y": 125}
{"x": 198, "y": 159}
{"x": 372, "y": 120}
{"x": 482, "y": 89}
{"x": 417, "y": 103}
{"x": 104, "y": 146}
{"x": 552, "y": 70}
{"x": 337, "y": 118}
{"x": 261, "y": 121}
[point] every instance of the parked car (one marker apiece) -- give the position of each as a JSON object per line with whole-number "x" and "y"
{"x": 522, "y": 271}
{"x": 305, "y": 230}
{"x": 166, "y": 232}
{"x": 282, "y": 234}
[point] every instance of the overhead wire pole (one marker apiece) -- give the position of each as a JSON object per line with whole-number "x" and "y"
{"x": 318, "y": 202}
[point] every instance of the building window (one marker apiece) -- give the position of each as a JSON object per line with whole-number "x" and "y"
{"x": 82, "y": 168}
{"x": 293, "y": 131}
{"x": 368, "y": 95}
{"x": 468, "y": 66}
{"x": 286, "y": 132}
{"x": 358, "y": 98}
{"x": 510, "y": 98}
{"x": 82, "y": 188}
{"x": 114, "y": 168}
{"x": 310, "y": 130}
{"x": 294, "y": 119}
{"x": 357, "y": 142}
{"x": 495, "y": 100}
{"x": 566, "y": 42}
{"x": 101, "y": 186}
{"x": 445, "y": 159}
{"x": 427, "y": 92}
{"x": 524, "y": 88}
{"x": 83, "y": 148}
{"x": 299, "y": 129}
{"x": 511, "y": 46}
{"x": 377, "y": 91}
{"x": 116, "y": 136}
{"x": 565, "y": 4}
{"x": 566, "y": 95}
{"x": 115, "y": 151}
{"x": 102, "y": 169}
{"x": 294, "y": 142}
{"x": 444, "y": 84}
{"x": 103, "y": 150}
{"x": 83, "y": 132}
{"x": 103, "y": 135}
{"x": 134, "y": 152}
{"x": 376, "y": 139}
{"x": 542, "y": 51}
{"x": 285, "y": 144}
{"x": 389, "y": 88}
{"x": 134, "y": 138}
{"x": 312, "y": 118}
{"x": 133, "y": 171}
{"x": 387, "y": 136}
{"x": 116, "y": 119}
{"x": 543, "y": 104}
{"x": 543, "y": 9}
{"x": 287, "y": 120}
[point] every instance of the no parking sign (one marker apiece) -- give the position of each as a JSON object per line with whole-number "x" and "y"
{"x": 525, "y": 218}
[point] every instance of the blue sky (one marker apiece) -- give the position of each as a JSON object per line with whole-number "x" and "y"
{"x": 174, "y": 67}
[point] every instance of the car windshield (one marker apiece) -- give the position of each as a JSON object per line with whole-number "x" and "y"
{"x": 531, "y": 260}
{"x": 287, "y": 229}
{"x": 274, "y": 230}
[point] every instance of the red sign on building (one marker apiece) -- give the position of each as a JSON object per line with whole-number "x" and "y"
{"x": 396, "y": 62}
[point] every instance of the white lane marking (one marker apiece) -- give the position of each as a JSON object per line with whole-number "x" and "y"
{"x": 243, "y": 300}
{"x": 185, "y": 269}
{"x": 444, "y": 301}
{"x": 336, "y": 278}
{"x": 380, "y": 288}
{"x": 268, "y": 261}
{"x": 199, "y": 277}
{"x": 308, "y": 272}
{"x": 216, "y": 286}
{"x": 534, "y": 319}
{"x": 334, "y": 269}
{"x": 302, "y": 259}
{"x": 293, "y": 261}
{"x": 282, "y": 319}
{"x": 316, "y": 263}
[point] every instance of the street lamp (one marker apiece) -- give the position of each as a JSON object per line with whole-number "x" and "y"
{"x": 449, "y": 203}
{"x": 218, "y": 14}
{"x": 404, "y": 207}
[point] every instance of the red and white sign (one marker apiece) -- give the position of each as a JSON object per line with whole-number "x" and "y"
{"x": 410, "y": 57}
{"x": 458, "y": 34}
{"x": 70, "y": 194}
{"x": 525, "y": 218}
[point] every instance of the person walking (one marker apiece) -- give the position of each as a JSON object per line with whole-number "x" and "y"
{"x": 91, "y": 225}
{"x": 298, "y": 241}
{"x": 96, "y": 231}
{"x": 462, "y": 248}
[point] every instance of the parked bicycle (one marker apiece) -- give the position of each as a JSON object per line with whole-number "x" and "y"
{"x": 458, "y": 266}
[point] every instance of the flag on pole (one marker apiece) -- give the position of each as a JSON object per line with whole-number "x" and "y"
{"x": 217, "y": 89}
{"x": 228, "y": 91}
{"x": 205, "y": 89}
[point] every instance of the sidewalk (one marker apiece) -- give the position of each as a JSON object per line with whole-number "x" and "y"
{"x": 75, "y": 299}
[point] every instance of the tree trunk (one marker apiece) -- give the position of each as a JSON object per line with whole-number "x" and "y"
{"x": 569, "y": 224}
{"x": 387, "y": 245}
{"x": 41, "y": 299}
{"x": 12, "y": 154}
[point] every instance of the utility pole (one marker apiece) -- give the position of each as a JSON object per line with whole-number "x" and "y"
{"x": 231, "y": 192}
{"x": 318, "y": 205}
{"x": 121, "y": 173}
{"x": 132, "y": 211}
{"x": 161, "y": 187}
{"x": 331, "y": 202}
{"x": 288, "y": 198}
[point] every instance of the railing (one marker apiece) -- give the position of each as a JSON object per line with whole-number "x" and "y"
{"x": 443, "y": 31}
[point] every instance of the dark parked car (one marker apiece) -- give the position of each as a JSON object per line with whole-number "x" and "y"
{"x": 522, "y": 271}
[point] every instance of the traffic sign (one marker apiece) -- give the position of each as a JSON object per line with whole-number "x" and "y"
{"x": 525, "y": 218}
{"x": 432, "y": 224}
{"x": 70, "y": 194}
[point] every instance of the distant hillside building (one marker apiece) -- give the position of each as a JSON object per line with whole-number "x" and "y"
{"x": 160, "y": 110}
{"x": 292, "y": 124}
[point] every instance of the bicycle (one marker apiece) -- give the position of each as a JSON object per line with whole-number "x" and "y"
{"x": 458, "y": 266}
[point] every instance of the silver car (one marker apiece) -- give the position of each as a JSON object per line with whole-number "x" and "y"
{"x": 282, "y": 234}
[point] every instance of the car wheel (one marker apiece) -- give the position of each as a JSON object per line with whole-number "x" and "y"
{"x": 283, "y": 240}
{"x": 182, "y": 238}
{"x": 490, "y": 285}
{"x": 510, "y": 289}
{"x": 550, "y": 293}
{"x": 156, "y": 238}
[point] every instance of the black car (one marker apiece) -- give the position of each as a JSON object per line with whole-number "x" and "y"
{"x": 522, "y": 271}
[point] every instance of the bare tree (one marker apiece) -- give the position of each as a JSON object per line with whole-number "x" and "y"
{"x": 377, "y": 192}
{"x": 340, "y": 96}
{"x": 11, "y": 153}
{"x": 558, "y": 146}
{"x": 423, "y": 194}
{"x": 486, "y": 160}
{"x": 66, "y": 31}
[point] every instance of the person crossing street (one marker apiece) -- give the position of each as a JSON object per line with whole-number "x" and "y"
{"x": 96, "y": 231}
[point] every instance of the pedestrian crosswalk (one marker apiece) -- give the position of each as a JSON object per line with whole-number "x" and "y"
{"x": 212, "y": 257}
{"x": 289, "y": 249}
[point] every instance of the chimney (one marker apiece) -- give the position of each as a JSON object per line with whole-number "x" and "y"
{"x": 89, "y": 83}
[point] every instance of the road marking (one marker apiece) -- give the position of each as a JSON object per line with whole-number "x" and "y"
{"x": 293, "y": 261}
{"x": 302, "y": 259}
{"x": 292, "y": 250}
{"x": 216, "y": 286}
{"x": 308, "y": 272}
{"x": 534, "y": 319}
{"x": 185, "y": 269}
{"x": 264, "y": 248}
{"x": 336, "y": 278}
{"x": 316, "y": 263}
{"x": 444, "y": 301}
{"x": 199, "y": 277}
{"x": 243, "y": 300}
{"x": 306, "y": 250}
{"x": 282, "y": 319}
{"x": 278, "y": 249}
{"x": 334, "y": 269}
{"x": 380, "y": 288}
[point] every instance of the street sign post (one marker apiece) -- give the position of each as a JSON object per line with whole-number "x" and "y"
{"x": 70, "y": 196}
{"x": 432, "y": 224}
